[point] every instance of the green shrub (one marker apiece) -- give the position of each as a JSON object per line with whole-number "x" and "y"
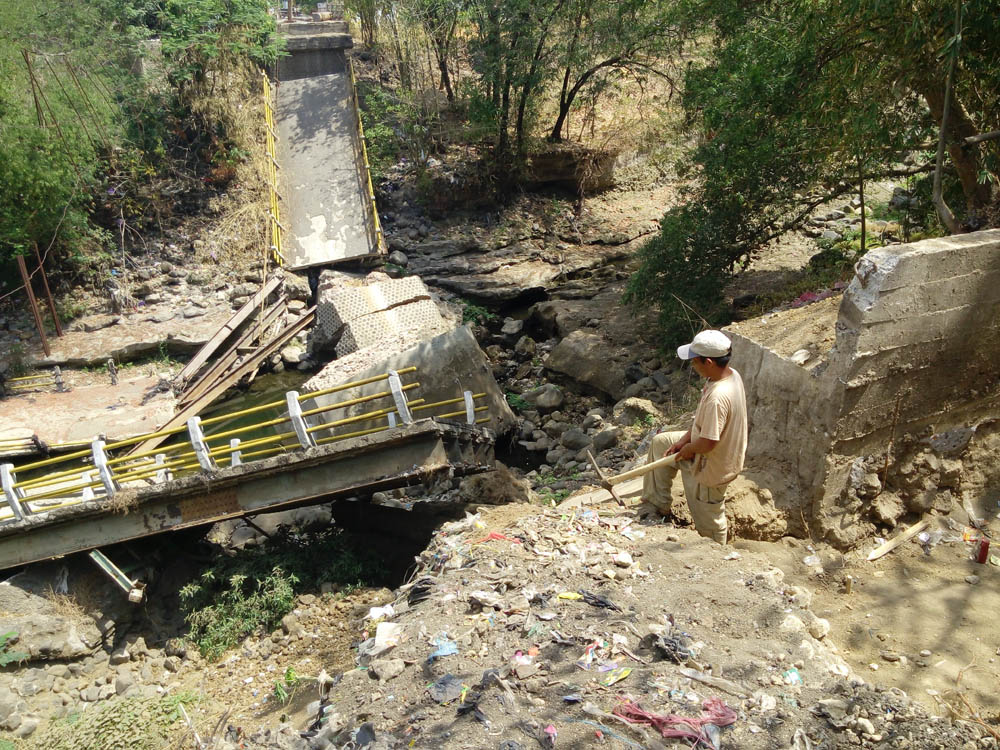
{"x": 251, "y": 590}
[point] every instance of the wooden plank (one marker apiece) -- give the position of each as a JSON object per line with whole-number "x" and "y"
{"x": 227, "y": 329}
{"x": 889, "y": 546}
{"x": 229, "y": 357}
{"x": 223, "y": 384}
{"x": 628, "y": 489}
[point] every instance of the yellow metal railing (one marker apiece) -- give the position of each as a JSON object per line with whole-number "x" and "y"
{"x": 94, "y": 473}
{"x": 274, "y": 211}
{"x": 375, "y": 225}
{"x": 26, "y": 383}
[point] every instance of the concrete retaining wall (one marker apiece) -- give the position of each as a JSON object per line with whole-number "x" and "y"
{"x": 914, "y": 360}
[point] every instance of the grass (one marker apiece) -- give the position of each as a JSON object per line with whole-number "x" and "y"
{"x": 118, "y": 724}
{"x": 517, "y": 401}
{"x": 253, "y": 589}
{"x": 473, "y": 313}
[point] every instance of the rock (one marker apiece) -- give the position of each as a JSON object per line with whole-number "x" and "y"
{"x": 386, "y": 669}
{"x": 176, "y": 647}
{"x": 119, "y": 656}
{"x": 512, "y": 327}
{"x": 123, "y": 682}
{"x": 792, "y": 624}
{"x": 887, "y": 508}
{"x": 629, "y": 411}
{"x": 830, "y": 235}
{"x": 200, "y": 277}
{"x": 575, "y": 439}
{"x": 99, "y": 322}
{"x": 866, "y": 726}
{"x": 292, "y": 355}
{"x": 546, "y": 397}
{"x": 495, "y": 488}
{"x": 589, "y": 359}
{"x": 606, "y": 439}
{"x": 398, "y": 258}
{"x": 27, "y": 727}
{"x": 192, "y": 312}
{"x": 242, "y": 290}
{"x": 819, "y": 628}
{"x": 525, "y": 346}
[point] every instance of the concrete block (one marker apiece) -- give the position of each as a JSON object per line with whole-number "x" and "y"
{"x": 446, "y": 365}
{"x": 339, "y": 305}
{"x": 417, "y": 320}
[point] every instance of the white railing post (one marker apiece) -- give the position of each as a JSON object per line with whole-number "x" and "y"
{"x": 14, "y": 495}
{"x": 197, "y": 438}
{"x": 162, "y": 475}
{"x": 470, "y": 407}
{"x": 298, "y": 421}
{"x": 399, "y": 396}
{"x": 103, "y": 470}
{"x": 236, "y": 457}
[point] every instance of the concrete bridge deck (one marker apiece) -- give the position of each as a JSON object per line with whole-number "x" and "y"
{"x": 404, "y": 455}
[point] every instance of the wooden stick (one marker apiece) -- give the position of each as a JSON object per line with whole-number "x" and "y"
{"x": 889, "y": 546}
{"x": 644, "y": 469}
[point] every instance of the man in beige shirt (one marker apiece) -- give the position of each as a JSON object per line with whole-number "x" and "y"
{"x": 710, "y": 454}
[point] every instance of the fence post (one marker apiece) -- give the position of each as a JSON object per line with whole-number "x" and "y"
{"x": 197, "y": 438}
{"x": 14, "y": 495}
{"x": 103, "y": 470}
{"x": 399, "y": 396}
{"x": 236, "y": 455}
{"x": 470, "y": 407}
{"x": 298, "y": 421}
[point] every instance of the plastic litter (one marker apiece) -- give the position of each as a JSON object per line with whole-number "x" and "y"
{"x": 791, "y": 676}
{"x": 447, "y": 689}
{"x": 675, "y": 648}
{"x": 380, "y": 613}
{"x": 596, "y": 600}
{"x": 445, "y": 647}
{"x": 812, "y": 560}
{"x": 570, "y": 595}
{"x": 616, "y": 675}
{"x": 714, "y": 712}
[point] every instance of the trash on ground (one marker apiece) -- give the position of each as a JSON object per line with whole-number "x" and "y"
{"x": 447, "y": 689}
{"x": 714, "y": 712}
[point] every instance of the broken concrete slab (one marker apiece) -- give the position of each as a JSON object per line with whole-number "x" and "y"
{"x": 133, "y": 337}
{"x": 446, "y": 364}
{"x": 135, "y": 406}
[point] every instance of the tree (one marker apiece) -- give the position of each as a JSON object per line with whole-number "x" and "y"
{"x": 600, "y": 38}
{"x": 799, "y": 102}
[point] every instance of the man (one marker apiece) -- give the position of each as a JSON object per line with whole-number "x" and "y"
{"x": 710, "y": 454}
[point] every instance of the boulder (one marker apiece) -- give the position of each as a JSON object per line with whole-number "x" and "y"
{"x": 589, "y": 359}
{"x": 630, "y": 410}
{"x": 496, "y": 488}
{"x": 546, "y": 397}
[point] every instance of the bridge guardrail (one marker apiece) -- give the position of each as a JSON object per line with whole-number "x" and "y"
{"x": 96, "y": 474}
{"x": 374, "y": 225}
{"x": 274, "y": 196}
{"x": 27, "y": 383}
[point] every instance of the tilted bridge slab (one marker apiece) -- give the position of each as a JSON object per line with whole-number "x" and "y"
{"x": 405, "y": 455}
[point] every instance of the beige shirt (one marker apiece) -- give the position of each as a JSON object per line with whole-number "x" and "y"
{"x": 721, "y": 416}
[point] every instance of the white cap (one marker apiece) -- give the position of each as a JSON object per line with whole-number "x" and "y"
{"x": 706, "y": 344}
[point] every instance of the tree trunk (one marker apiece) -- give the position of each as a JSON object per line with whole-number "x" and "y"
{"x": 967, "y": 160}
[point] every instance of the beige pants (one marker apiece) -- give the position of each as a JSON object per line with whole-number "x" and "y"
{"x": 707, "y": 504}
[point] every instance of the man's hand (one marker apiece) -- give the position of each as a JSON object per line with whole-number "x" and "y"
{"x": 679, "y": 445}
{"x": 687, "y": 452}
